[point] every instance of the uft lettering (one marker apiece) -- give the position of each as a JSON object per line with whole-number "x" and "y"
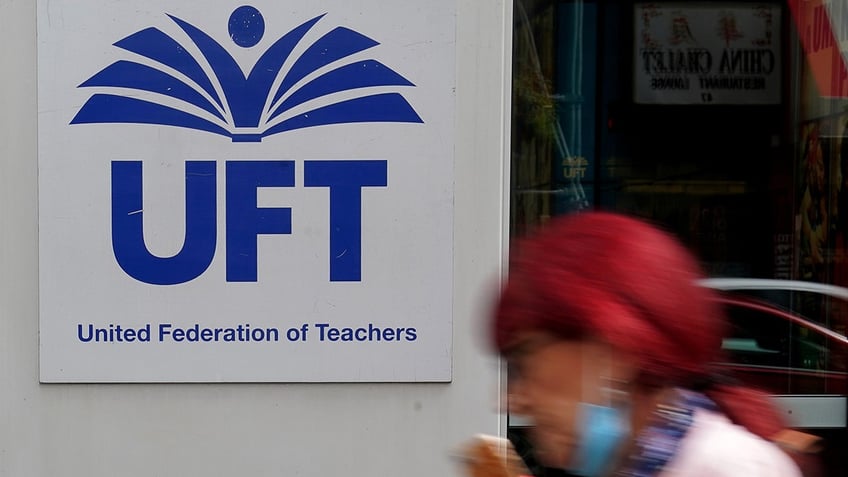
{"x": 244, "y": 219}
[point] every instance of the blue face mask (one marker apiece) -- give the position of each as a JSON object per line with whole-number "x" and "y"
{"x": 603, "y": 429}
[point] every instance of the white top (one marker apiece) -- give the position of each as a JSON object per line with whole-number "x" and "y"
{"x": 715, "y": 447}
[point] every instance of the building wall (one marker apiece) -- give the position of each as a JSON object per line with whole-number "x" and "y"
{"x": 241, "y": 429}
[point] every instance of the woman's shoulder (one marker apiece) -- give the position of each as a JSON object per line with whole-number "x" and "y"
{"x": 715, "y": 447}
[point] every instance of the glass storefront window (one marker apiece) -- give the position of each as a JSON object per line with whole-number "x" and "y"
{"x": 724, "y": 122}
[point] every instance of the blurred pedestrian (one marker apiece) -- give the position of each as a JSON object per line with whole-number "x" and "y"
{"x": 609, "y": 342}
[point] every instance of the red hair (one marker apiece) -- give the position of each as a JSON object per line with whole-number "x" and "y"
{"x": 628, "y": 283}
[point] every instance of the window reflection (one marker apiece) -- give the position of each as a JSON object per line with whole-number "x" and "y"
{"x": 751, "y": 170}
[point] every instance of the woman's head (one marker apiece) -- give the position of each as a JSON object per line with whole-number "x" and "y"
{"x": 599, "y": 305}
{"x": 618, "y": 280}
{"x": 603, "y": 311}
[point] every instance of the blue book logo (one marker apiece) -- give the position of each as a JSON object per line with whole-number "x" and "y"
{"x": 242, "y": 111}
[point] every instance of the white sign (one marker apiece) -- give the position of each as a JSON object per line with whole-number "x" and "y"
{"x": 245, "y": 193}
{"x": 707, "y": 54}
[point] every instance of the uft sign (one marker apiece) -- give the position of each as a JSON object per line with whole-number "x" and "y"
{"x": 272, "y": 186}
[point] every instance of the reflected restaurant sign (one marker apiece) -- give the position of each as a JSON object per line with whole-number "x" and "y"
{"x": 703, "y": 54}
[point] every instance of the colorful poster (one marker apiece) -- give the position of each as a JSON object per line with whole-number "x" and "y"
{"x": 838, "y": 315}
{"x": 233, "y": 193}
{"x": 839, "y": 198}
{"x": 707, "y": 54}
{"x": 813, "y": 218}
{"x": 822, "y": 215}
